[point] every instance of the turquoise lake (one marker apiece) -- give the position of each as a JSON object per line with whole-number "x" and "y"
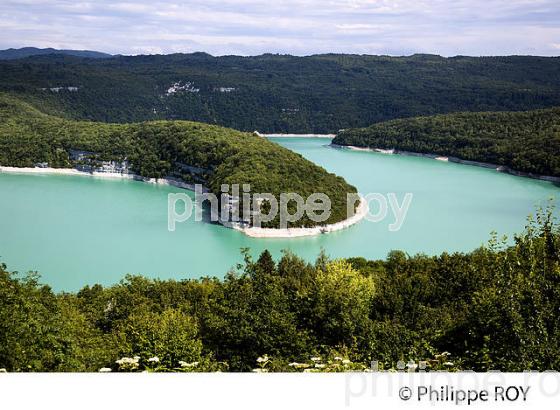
{"x": 77, "y": 230}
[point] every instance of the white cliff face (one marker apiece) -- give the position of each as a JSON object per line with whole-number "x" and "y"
{"x": 177, "y": 87}
{"x": 225, "y": 89}
{"x": 58, "y": 89}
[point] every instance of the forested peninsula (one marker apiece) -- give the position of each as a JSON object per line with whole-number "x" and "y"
{"x": 189, "y": 151}
{"x": 527, "y": 142}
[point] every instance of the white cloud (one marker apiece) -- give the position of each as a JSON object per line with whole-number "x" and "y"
{"x": 446, "y": 27}
{"x": 132, "y": 7}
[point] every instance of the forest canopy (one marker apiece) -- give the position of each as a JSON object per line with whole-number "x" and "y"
{"x": 280, "y": 93}
{"x": 526, "y": 141}
{"x": 495, "y": 308}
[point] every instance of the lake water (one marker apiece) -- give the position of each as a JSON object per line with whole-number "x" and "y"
{"x": 78, "y": 230}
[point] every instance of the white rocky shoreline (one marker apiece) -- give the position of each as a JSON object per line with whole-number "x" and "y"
{"x": 330, "y": 136}
{"x": 106, "y": 175}
{"x": 254, "y": 232}
{"x": 499, "y": 168}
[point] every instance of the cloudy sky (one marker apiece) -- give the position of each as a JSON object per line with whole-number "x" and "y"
{"x": 301, "y": 27}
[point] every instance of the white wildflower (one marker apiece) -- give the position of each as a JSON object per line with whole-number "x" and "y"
{"x": 127, "y": 361}
{"x": 104, "y": 370}
{"x": 293, "y": 364}
{"x": 154, "y": 359}
{"x": 449, "y": 364}
{"x": 320, "y": 366}
{"x": 338, "y": 358}
{"x": 185, "y": 364}
{"x": 262, "y": 359}
{"x": 316, "y": 359}
{"x": 346, "y": 361}
{"x": 260, "y": 370}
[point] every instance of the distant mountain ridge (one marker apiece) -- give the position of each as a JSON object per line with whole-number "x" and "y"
{"x": 15, "y": 53}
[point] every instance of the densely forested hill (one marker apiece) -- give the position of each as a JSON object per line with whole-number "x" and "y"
{"x": 495, "y": 308}
{"x": 160, "y": 148}
{"x": 524, "y": 141}
{"x": 272, "y": 93}
{"x": 15, "y": 53}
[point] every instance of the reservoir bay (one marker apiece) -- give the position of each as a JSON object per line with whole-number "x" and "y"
{"x": 77, "y": 231}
